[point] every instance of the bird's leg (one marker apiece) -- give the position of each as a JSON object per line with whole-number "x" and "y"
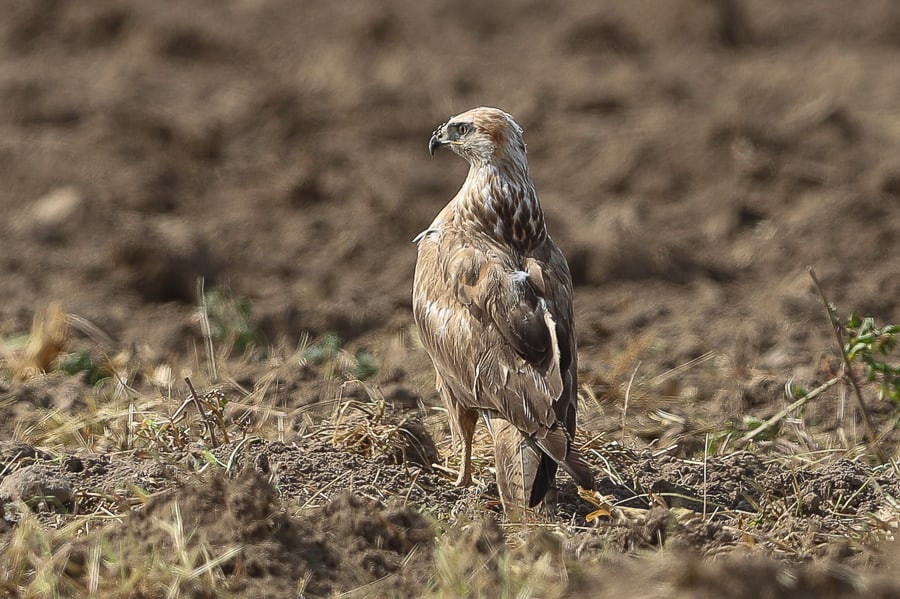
{"x": 466, "y": 420}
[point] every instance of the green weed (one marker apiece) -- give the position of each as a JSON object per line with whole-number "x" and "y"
{"x": 873, "y": 346}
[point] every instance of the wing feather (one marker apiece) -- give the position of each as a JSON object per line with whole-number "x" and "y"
{"x": 515, "y": 351}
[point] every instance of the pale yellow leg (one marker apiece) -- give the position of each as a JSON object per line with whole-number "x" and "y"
{"x": 465, "y": 420}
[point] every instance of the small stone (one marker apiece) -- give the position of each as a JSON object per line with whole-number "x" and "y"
{"x": 54, "y": 216}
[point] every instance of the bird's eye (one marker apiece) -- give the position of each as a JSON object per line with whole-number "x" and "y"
{"x": 462, "y": 130}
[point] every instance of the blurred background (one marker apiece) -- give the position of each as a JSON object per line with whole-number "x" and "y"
{"x": 693, "y": 158}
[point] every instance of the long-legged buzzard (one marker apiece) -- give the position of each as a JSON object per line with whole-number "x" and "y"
{"x": 492, "y": 298}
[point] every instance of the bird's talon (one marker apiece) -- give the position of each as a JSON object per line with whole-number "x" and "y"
{"x": 601, "y": 513}
{"x": 593, "y": 497}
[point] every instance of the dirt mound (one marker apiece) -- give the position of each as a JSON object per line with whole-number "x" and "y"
{"x": 239, "y": 525}
{"x": 313, "y": 516}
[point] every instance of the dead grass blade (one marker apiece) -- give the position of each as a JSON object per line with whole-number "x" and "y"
{"x": 794, "y": 406}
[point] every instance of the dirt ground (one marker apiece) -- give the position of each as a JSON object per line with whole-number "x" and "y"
{"x": 693, "y": 157}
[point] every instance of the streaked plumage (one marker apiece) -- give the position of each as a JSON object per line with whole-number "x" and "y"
{"x": 492, "y": 298}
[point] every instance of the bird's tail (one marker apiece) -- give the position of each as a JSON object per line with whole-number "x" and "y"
{"x": 557, "y": 449}
{"x": 526, "y": 466}
{"x": 544, "y": 479}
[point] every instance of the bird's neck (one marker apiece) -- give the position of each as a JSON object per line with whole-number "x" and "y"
{"x": 500, "y": 200}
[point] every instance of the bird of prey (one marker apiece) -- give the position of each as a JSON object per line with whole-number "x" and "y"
{"x": 492, "y": 298}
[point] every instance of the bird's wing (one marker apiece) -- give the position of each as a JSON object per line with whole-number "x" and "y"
{"x": 521, "y": 337}
{"x": 557, "y": 281}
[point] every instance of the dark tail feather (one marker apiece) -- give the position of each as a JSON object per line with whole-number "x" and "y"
{"x": 546, "y": 474}
{"x": 578, "y": 469}
{"x": 558, "y": 447}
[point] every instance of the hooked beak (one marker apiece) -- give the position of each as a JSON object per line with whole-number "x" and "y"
{"x": 438, "y": 138}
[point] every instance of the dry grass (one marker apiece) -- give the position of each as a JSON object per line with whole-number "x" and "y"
{"x": 47, "y": 339}
{"x": 147, "y": 408}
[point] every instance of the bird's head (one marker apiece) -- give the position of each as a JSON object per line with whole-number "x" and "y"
{"x": 482, "y": 135}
